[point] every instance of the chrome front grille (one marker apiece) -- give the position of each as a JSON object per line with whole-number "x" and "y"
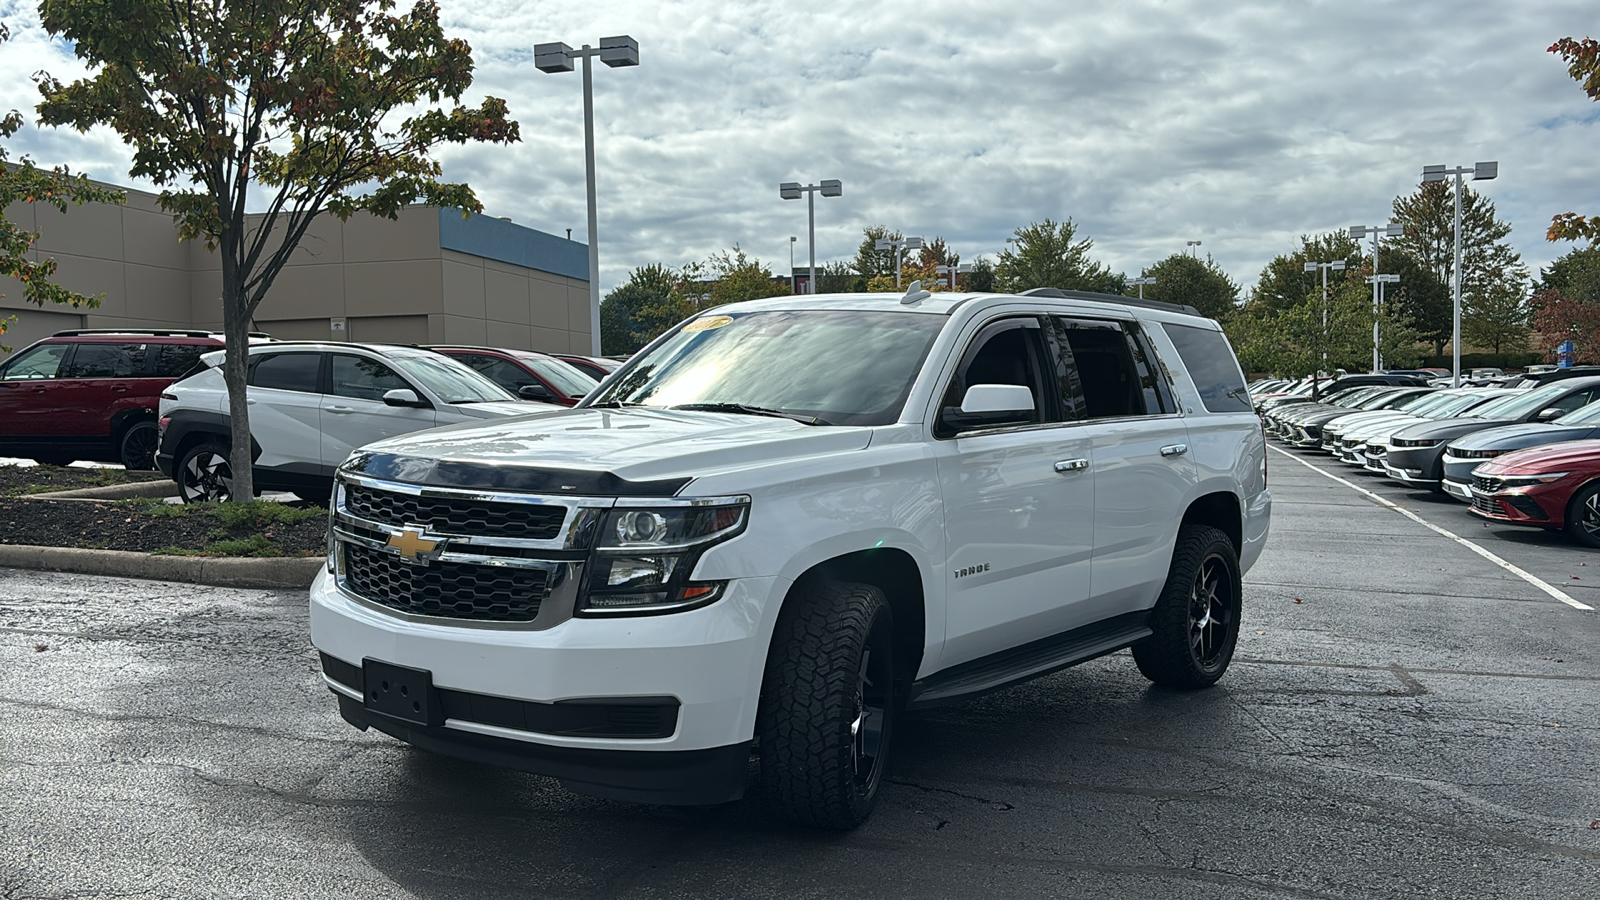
{"x": 457, "y": 515}
{"x": 452, "y": 590}
{"x": 1485, "y": 504}
{"x": 1486, "y": 484}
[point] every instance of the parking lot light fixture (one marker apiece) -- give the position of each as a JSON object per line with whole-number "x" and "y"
{"x": 1338, "y": 266}
{"x": 1377, "y": 282}
{"x": 898, "y": 246}
{"x": 952, "y": 270}
{"x": 1484, "y": 171}
{"x": 1190, "y": 245}
{"x": 1141, "y": 281}
{"x": 1393, "y": 229}
{"x": 791, "y": 190}
{"x": 617, "y": 52}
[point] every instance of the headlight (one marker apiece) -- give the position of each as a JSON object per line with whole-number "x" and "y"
{"x": 333, "y": 508}
{"x": 645, "y": 554}
{"x": 1417, "y": 442}
{"x": 1523, "y": 481}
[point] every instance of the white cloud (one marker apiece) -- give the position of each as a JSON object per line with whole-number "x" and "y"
{"x": 1149, "y": 123}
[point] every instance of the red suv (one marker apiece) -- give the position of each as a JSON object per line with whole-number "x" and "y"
{"x": 529, "y": 375}
{"x": 92, "y": 394}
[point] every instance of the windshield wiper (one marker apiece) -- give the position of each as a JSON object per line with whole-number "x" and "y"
{"x": 612, "y": 404}
{"x": 750, "y": 411}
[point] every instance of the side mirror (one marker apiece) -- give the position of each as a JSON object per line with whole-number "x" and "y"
{"x": 536, "y": 391}
{"x": 989, "y": 405}
{"x": 1548, "y": 413}
{"x": 404, "y": 397}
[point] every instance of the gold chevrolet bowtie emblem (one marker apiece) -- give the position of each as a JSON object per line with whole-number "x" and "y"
{"x": 411, "y": 544}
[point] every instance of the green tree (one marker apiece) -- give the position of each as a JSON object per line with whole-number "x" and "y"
{"x": 1419, "y": 296}
{"x": 1489, "y": 267}
{"x": 1583, "y": 64}
{"x": 1181, "y": 278}
{"x": 1498, "y": 317}
{"x": 734, "y": 276}
{"x": 23, "y": 182}
{"x": 644, "y": 306}
{"x": 1566, "y": 305}
{"x": 981, "y": 279}
{"x": 324, "y": 105}
{"x": 838, "y": 278}
{"x": 1047, "y": 254}
{"x": 870, "y": 261}
{"x": 1285, "y": 283}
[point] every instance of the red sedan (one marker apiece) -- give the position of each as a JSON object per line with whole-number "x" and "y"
{"x": 1552, "y": 486}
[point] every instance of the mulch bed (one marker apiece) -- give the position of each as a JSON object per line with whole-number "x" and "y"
{"x": 36, "y": 479}
{"x": 146, "y": 526}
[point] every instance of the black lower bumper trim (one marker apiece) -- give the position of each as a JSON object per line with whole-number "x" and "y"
{"x": 666, "y": 777}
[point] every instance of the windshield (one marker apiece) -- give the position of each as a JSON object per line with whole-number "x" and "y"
{"x": 1455, "y": 404}
{"x": 567, "y": 379}
{"x": 844, "y": 367}
{"x": 1518, "y": 405}
{"x": 1408, "y": 401}
{"x": 1583, "y": 415}
{"x": 450, "y": 381}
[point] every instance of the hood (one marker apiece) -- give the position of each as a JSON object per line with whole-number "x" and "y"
{"x": 1561, "y": 457}
{"x": 1514, "y": 437}
{"x": 635, "y": 444}
{"x": 1445, "y": 429}
{"x": 500, "y": 409}
{"x": 1379, "y": 427}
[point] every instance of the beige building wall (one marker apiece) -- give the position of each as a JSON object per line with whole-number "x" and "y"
{"x": 368, "y": 279}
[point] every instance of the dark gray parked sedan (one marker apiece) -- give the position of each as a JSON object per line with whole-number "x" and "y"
{"x": 1464, "y": 454}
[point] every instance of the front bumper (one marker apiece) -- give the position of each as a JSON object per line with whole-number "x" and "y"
{"x": 1414, "y": 465}
{"x": 709, "y": 660}
{"x": 1460, "y": 490}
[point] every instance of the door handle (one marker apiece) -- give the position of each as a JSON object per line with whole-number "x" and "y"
{"x": 1072, "y": 465}
{"x": 341, "y": 410}
{"x": 1175, "y": 450}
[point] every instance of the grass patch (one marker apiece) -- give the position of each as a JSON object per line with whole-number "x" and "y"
{"x": 254, "y": 545}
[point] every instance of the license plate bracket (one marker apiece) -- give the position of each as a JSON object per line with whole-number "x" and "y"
{"x": 401, "y": 692}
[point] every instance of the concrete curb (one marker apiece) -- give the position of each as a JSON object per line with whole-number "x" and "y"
{"x": 110, "y": 492}
{"x": 291, "y": 572}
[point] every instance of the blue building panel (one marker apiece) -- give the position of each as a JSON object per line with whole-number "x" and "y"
{"x": 509, "y": 242}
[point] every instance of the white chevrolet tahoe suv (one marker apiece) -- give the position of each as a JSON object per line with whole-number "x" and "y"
{"x": 785, "y": 523}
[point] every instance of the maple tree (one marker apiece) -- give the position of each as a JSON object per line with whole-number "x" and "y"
{"x": 1583, "y": 64}
{"x": 302, "y": 106}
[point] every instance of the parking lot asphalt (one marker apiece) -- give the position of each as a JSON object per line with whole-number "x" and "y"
{"x": 1405, "y": 719}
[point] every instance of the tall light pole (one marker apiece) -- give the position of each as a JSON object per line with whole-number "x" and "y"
{"x": 1193, "y": 253}
{"x": 616, "y": 52}
{"x": 791, "y": 190}
{"x": 952, "y": 270}
{"x": 1393, "y": 229}
{"x": 1484, "y": 171}
{"x": 1141, "y": 281}
{"x": 794, "y": 284}
{"x": 1338, "y": 266}
{"x": 910, "y": 243}
{"x": 1378, "y": 281}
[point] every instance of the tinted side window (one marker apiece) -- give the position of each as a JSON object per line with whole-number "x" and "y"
{"x": 176, "y": 359}
{"x": 1005, "y": 353}
{"x": 40, "y": 362}
{"x": 363, "y": 378}
{"x": 288, "y": 372}
{"x": 1209, "y": 359}
{"x": 106, "y": 361}
{"x": 1114, "y": 383}
{"x": 507, "y": 375}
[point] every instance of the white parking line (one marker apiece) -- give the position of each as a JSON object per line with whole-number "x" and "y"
{"x": 1530, "y": 578}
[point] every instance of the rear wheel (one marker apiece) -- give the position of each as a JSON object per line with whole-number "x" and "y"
{"x": 203, "y": 474}
{"x": 828, "y": 704}
{"x": 137, "y": 449}
{"x": 1583, "y": 515}
{"x": 1196, "y": 620}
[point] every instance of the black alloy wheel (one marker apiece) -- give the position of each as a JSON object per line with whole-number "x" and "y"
{"x": 1195, "y": 622}
{"x": 137, "y": 449}
{"x": 1211, "y": 613}
{"x": 1583, "y": 515}
{"x": 204, "y": 475}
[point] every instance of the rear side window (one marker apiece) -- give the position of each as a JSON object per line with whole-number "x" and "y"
{"x": 288, "y": 372}
{"x": 106, "y": 361}
{"x": 176, "y": 359}
{"x": 1108, "y": 366}
{"x": 1209, "y": 359}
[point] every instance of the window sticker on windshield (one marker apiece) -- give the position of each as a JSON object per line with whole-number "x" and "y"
{"x": 708, "y": 323}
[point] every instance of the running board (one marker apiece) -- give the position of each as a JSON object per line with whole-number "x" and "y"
{"x": 1032, "y": 660}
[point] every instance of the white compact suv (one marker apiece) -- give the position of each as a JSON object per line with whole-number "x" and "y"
{"x": 787, "y": 521}
{"x": 311, "y": 404}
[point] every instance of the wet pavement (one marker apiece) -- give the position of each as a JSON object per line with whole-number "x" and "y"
{"x": 1405, "y": 718}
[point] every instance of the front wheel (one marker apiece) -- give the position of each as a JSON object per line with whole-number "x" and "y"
{"x": 1196, "y": 619}
{"x": 1583, "y": 515}
{"x": 137, "y": 449}
{"x": 828, "y": 705}
{"x": 204, "y": 475}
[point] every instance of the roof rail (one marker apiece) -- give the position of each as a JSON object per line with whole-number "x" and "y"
{"x": 155, "y": 332}
{"x": 1060, "y": 294}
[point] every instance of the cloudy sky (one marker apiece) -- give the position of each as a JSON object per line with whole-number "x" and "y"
{"x": 1242, "y": 125}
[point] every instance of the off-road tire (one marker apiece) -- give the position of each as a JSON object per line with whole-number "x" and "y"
{"x": 137, "y": 447}
{"x": 815, "y": 767}
{"x": 1190, "y": 648}
{"x": 208, "y": 457}
{"x": 1583, "y": 515}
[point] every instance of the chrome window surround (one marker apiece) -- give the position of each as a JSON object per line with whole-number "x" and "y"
{"x": 568, "y": 554}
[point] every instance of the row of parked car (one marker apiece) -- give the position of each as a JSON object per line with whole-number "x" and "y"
{"x": 149, "y": 399}
{"x": 1523, "y": 455}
